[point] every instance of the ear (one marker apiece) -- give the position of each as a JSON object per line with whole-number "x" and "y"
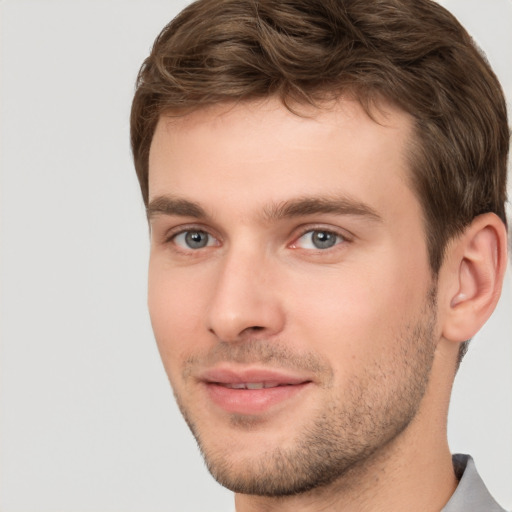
{"x": 472, "y": 277}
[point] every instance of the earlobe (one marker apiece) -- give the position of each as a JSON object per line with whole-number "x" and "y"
{"x": 478, "y": 263}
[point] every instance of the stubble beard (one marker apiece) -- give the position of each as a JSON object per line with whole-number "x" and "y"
{"x": 352, "y": 431}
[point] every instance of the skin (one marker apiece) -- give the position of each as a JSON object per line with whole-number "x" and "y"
{"x": 359, "y": 323}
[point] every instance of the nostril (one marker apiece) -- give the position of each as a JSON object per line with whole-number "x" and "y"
{"x": 252, "y": 329}
{"x": 248, "y": 330}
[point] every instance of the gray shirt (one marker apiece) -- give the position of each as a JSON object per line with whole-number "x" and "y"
{"x": 471, "y": 494}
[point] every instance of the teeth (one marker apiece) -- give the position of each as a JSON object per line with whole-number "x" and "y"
{"x": 252, "y": 385}
{"x": 236, "y": 386}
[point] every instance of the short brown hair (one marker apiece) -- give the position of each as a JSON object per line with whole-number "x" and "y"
{"x": 412, "y": 53}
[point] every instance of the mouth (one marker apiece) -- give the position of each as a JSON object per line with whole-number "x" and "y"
{"x": 251, "y": 385}
{"x": 252, "y": 391}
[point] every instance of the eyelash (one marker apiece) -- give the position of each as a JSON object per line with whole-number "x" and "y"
{"x": 342, "y": 238}
{"x": 331, "y": 236}
{"x": 170, "y": 238}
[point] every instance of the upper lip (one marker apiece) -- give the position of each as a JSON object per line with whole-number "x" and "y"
{"x": 230, "y": 375}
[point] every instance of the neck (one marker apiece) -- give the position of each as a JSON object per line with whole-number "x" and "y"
{"x": 413, "y": 472}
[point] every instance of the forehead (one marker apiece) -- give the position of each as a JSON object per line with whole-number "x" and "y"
{"x": 260, "y": 150}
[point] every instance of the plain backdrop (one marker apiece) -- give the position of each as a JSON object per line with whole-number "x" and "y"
{"x": 87, "y": 418}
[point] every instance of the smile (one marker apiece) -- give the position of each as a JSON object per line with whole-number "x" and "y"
{"x": 251, "y": 391}
{"x": 253, "y": 385}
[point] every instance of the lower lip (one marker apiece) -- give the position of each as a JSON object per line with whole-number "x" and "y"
{"x": 251, "y": 401}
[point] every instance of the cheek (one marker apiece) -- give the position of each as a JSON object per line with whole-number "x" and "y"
{"x": 174, "y": 308}
{"x": 349, "y": 313}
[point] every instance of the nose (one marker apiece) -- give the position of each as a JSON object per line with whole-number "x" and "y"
{"x": 245, "y": 303}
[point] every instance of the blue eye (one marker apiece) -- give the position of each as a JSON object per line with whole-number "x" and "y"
{"x": 194, "y": 239}
{"x": 318, "y": 239}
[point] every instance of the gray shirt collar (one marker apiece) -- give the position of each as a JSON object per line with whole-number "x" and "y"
{"x": 471, "y": 494}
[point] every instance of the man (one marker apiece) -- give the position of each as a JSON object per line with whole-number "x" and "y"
{"x": 325, "y": 185}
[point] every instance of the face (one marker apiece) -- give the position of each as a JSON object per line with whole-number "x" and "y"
{"x": 289, "y": 288}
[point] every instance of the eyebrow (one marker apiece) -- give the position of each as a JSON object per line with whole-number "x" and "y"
{"x": 299, "y": 207}
{"x": 168, "y": 205}
{"x": 316, "y": 205}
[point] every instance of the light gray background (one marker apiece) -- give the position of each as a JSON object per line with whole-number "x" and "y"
{"x": 87, "y": 419}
